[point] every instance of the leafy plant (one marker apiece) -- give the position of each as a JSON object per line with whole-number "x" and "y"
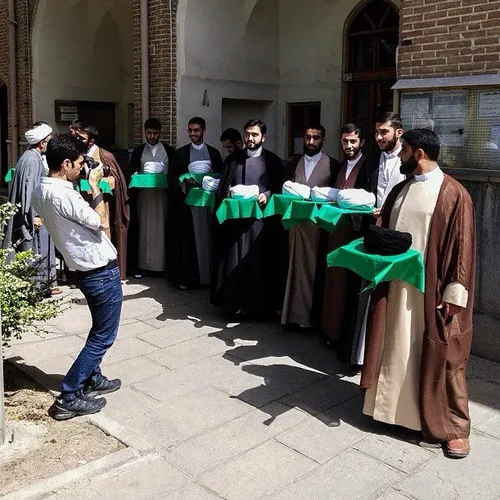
{"x": 21, "y": 295}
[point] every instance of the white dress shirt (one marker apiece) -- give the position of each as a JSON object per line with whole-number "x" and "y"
{"x": 153, "y": 148}
{"x": 255, "y": 153}
{"x": 388, "y": 174}
{"x": 436, "y": 174}
{"x": 310, "y": 162}
{"x": 92, "y": 150}
{"x": 73, "y": 225}
{"x": 350, "y": 166}
{"x": 199, "y": 147}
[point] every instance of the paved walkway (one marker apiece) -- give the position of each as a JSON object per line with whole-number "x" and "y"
{"x": 239, "y": 411}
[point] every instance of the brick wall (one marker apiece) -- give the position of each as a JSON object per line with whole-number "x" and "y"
{"x": 449, "y": 38}
{"x": 162, "y": 66}
{"x": 24, "y": 17}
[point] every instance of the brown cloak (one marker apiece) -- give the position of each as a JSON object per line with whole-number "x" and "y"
{"x": 444, "y": 409}
{"x": 119, "y": 210}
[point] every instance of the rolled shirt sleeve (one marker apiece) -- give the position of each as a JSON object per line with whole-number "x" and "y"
{"x": 456, "y": 294}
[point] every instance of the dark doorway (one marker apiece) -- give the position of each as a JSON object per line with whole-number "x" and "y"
{"x": 102, "y": 115}
{"x": 300, "y": 116}
{"x": 370, "y": 66}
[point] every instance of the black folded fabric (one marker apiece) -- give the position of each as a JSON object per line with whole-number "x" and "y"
{"x": 382, "y": 241}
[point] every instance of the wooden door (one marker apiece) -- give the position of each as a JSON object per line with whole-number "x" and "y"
{"x": 370, "y": 69}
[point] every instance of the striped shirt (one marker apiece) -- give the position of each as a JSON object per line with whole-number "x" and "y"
{"x": 73, "y": 225}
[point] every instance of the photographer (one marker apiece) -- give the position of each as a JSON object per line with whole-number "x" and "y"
{"x": 118, "y": 203}
{"x": 78, "y": 230}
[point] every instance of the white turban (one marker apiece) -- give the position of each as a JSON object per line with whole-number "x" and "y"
{"x": 154, "y": 167}
{"x": 200, "y": 167}
{"x": 324, "y": 194}
{"x": 356, "y": 199}
{"x": 244, "y": 192}
{"x": 209, "y": 183}
{"x": 295, "y": 189}
{"x": 38, "y": 134}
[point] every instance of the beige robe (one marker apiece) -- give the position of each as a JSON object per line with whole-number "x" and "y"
{"x": 394, "y": 397}
{"x": 152, "y": 211}
{"x": 303, "y": 252}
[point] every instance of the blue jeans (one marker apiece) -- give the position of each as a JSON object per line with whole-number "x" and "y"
{"x": 103, "y": 291}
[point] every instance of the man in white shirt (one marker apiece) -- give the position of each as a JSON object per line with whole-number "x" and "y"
{"x": 78, "y": 230}
{"x": 388, "y": 130}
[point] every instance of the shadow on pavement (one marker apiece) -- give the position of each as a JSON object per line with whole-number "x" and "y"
{"x": 48, "y": 381}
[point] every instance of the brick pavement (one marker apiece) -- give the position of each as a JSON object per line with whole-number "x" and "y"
{"x": 240, "y": 411}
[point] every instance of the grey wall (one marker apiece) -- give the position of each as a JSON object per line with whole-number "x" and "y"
{"x": 486, "y": 197}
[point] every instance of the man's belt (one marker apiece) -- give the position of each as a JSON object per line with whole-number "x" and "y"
{"x": 85, "y": 274}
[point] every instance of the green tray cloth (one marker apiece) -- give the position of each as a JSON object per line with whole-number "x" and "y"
{"x": 198, "y": 197}
{"x": 328, "y": 216}
{"x": 292, "y": 209}
{"x": 301, "y": 211}
{"x": 149, "y": 181}
{"x": 408, "y": 266}
{"x": 234, "y": 208}
{"x": 198, "y": 178}
{"x": 10, "y": 174}
{"x": 278, "y": 204}
{"x": 85, "y": 186}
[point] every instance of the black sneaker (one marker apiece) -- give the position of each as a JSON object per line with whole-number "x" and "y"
{"x": 105, "y": 386}
{"x": 81, "y": 405}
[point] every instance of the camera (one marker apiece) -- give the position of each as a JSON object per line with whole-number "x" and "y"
{"x": 91, "y": 164}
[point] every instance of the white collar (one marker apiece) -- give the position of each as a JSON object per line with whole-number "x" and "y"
{"x": 434, "y": 174}
{"x": 353, "y": 163}
{"x": 57, "y": 180}
{"x": 313, "y": 159}
{"x": 91, "y": 151}
{"x": 39, "y": 154}
{"x": 198, "y": 146}
{"x": 153, "y": 146}
{"x": 392, "y": 154}
{"x": 254, "y": 154}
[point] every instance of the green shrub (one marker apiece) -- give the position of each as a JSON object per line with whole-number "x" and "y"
{"x": 21, "y": 301}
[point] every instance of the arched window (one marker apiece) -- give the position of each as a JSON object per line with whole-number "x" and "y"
{"x": 372, "y": 35}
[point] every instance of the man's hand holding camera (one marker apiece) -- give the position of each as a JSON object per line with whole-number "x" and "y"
{"x": 94, "y": 176}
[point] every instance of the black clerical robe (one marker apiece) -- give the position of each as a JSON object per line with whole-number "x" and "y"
{"x": 182, "y": 255}
{"x": 246, "y": 270}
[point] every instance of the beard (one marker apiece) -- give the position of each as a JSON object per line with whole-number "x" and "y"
{"x": 253, "y": 146}
{"x": 409, "y": 166}
{"x": 312, "y": 151}
{"x": 352, "y": 154}
{"x": 390, "y": 144}
{"x": 152, "y": 142}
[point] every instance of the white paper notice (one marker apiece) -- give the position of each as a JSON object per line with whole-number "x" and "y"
{"x": 489, "y": 104}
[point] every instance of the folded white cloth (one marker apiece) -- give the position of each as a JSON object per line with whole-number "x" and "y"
{"x": 209, "y": 183}
{"x": 200, "y": 167}
{"x": 296, "y": 189}
{"x": 324, "y": 193}
{"x": 154, "y": 167}
{"x": 356, "y": 198}
{"x": 38, "y": 134}
{"x": 244, "y": 192}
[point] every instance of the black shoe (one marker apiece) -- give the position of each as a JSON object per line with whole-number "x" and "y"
{"x": 81, "y": 405}
{"x": 105, "y": 386}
